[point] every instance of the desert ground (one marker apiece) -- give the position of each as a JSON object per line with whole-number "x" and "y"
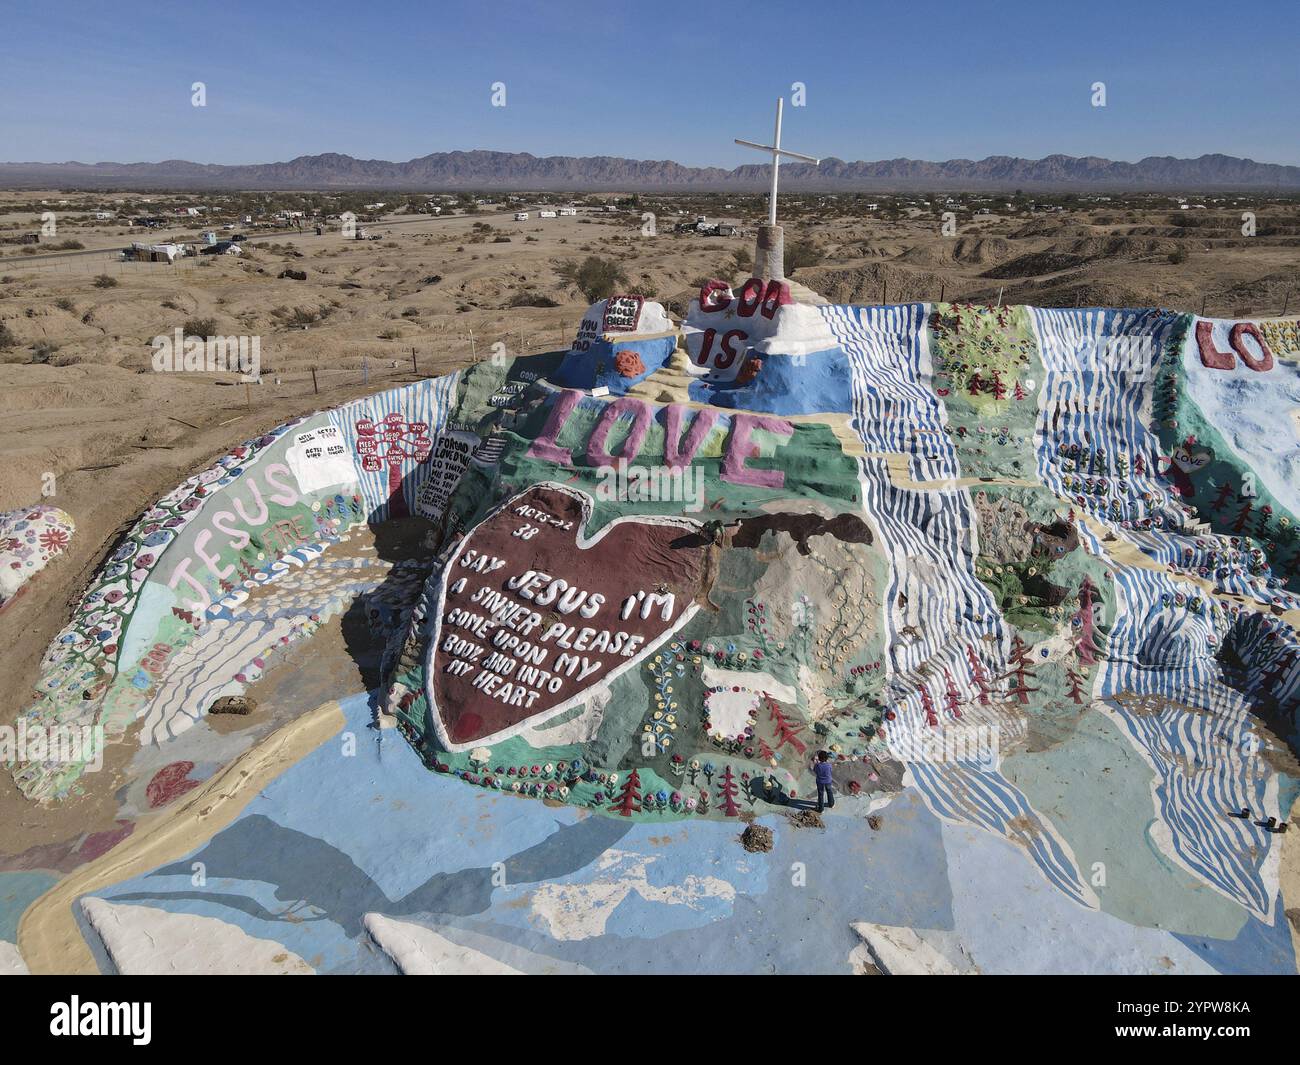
{"x": 92, "y": 428}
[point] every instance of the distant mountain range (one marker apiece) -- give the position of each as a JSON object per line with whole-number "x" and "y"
{"x": 520, "y": 170}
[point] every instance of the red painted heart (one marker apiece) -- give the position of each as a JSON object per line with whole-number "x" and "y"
{"x": 532, "y": 614}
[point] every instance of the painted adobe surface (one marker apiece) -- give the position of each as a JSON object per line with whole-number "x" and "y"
{"x": 29, "y": 539}
{"x": 1030, "y": 575}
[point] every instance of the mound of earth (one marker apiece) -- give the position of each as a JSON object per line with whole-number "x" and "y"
{"x": 1009, "y": 566}
{"x": 1036, "y": 263}
{"x": 974, "y": 251}
{"x": 900, "y": 284}
{"x": 1050, "y": 227}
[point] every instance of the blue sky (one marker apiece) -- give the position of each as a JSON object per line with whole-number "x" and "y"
{"x": 95, "y": 81}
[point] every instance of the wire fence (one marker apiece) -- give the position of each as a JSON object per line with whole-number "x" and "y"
{"x": 387, "y": 369}
{"x": 109, "y": 261}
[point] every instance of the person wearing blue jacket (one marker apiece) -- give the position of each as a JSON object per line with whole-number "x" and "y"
{"x": 822, "y": 771}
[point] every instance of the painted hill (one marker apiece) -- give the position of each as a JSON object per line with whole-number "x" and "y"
{"x": 520, "y": 170}
{"x": 1030, "y": 576}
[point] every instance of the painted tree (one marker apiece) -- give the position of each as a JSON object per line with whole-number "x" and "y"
{"x": 1277, "y": 674}
{"x": 978, "y": 675}
{"x": 629, "y": 797}
{"x": 390, "y": 444}
{"x": 1243, "y": 516}
{"x": 1263, "y": 530}
{"x": 1086, "y": 646}
{"x": 1076, "y": 683}
{"x": 1019, "y": 391}
{"x": 975, "y": 384}
{"x": 787, "y": 731}
{"x": 999, "y": 387}
{"x": 1021, "y": 671}
{"x": 1225, "y": 493}
{"x": 951, "y": 697}
{"x": 727, "y": 791}
{"x": 928, "y": 704}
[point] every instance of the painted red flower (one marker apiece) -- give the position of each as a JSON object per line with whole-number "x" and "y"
{"x": 54, "y": 540}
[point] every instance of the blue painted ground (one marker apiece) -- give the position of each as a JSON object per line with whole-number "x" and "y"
{"x": 342, "y": 835}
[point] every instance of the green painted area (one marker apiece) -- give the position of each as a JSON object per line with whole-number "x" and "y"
{"x": 988, "y": 372}
{"x": 1088, "y": 783}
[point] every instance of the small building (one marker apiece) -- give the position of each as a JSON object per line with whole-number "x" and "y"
{"x": 521, "y": 216}
{"x": 568, "y": 212}
{"x": 153, "y": 253}
{"x": 546, "y": 214}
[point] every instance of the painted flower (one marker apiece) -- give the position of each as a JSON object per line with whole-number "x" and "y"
{"x": 54, "y": 540}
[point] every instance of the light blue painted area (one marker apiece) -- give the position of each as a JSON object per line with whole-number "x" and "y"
{"x": 155, "y": 602}
{"x": 819, "y": 383}
{"x": 18, "y": 890}
{"x": 1258, "y": 948}
{"x": 256, "y": 907}
{"x": 396, "y": 820}
{"x": 594, "y": 368}
{"x": 1253, "y": 410}
{"x": 1012, "y": 921}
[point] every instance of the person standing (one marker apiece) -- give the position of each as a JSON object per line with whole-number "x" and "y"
{"x": 822, "y": 771}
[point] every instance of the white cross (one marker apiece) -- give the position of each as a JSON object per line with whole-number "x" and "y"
{"x": 777, "y": 151}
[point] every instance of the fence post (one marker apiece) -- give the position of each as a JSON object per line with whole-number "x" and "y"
{"x": 1286, "y": 302}
{"x": 1203, "y": 302}
{"x": 415, "y": 366}
{"x": 365, "y": 370}
{"x": 314, "y": 386}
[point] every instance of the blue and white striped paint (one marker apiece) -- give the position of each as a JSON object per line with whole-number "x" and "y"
{"x": 429, "y": 402}
{"x": 894, "y": 404}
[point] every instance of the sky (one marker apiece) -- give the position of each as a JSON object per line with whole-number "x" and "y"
{"x": 665, "y": 80}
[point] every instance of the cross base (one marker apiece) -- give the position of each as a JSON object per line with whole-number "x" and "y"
{"x": 769, "y": 253}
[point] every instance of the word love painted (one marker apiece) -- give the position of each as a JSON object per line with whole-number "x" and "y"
{"x": 1215, "y": 359}
{"x": 679, "y": 451}
{"x": 533, "y": 614}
